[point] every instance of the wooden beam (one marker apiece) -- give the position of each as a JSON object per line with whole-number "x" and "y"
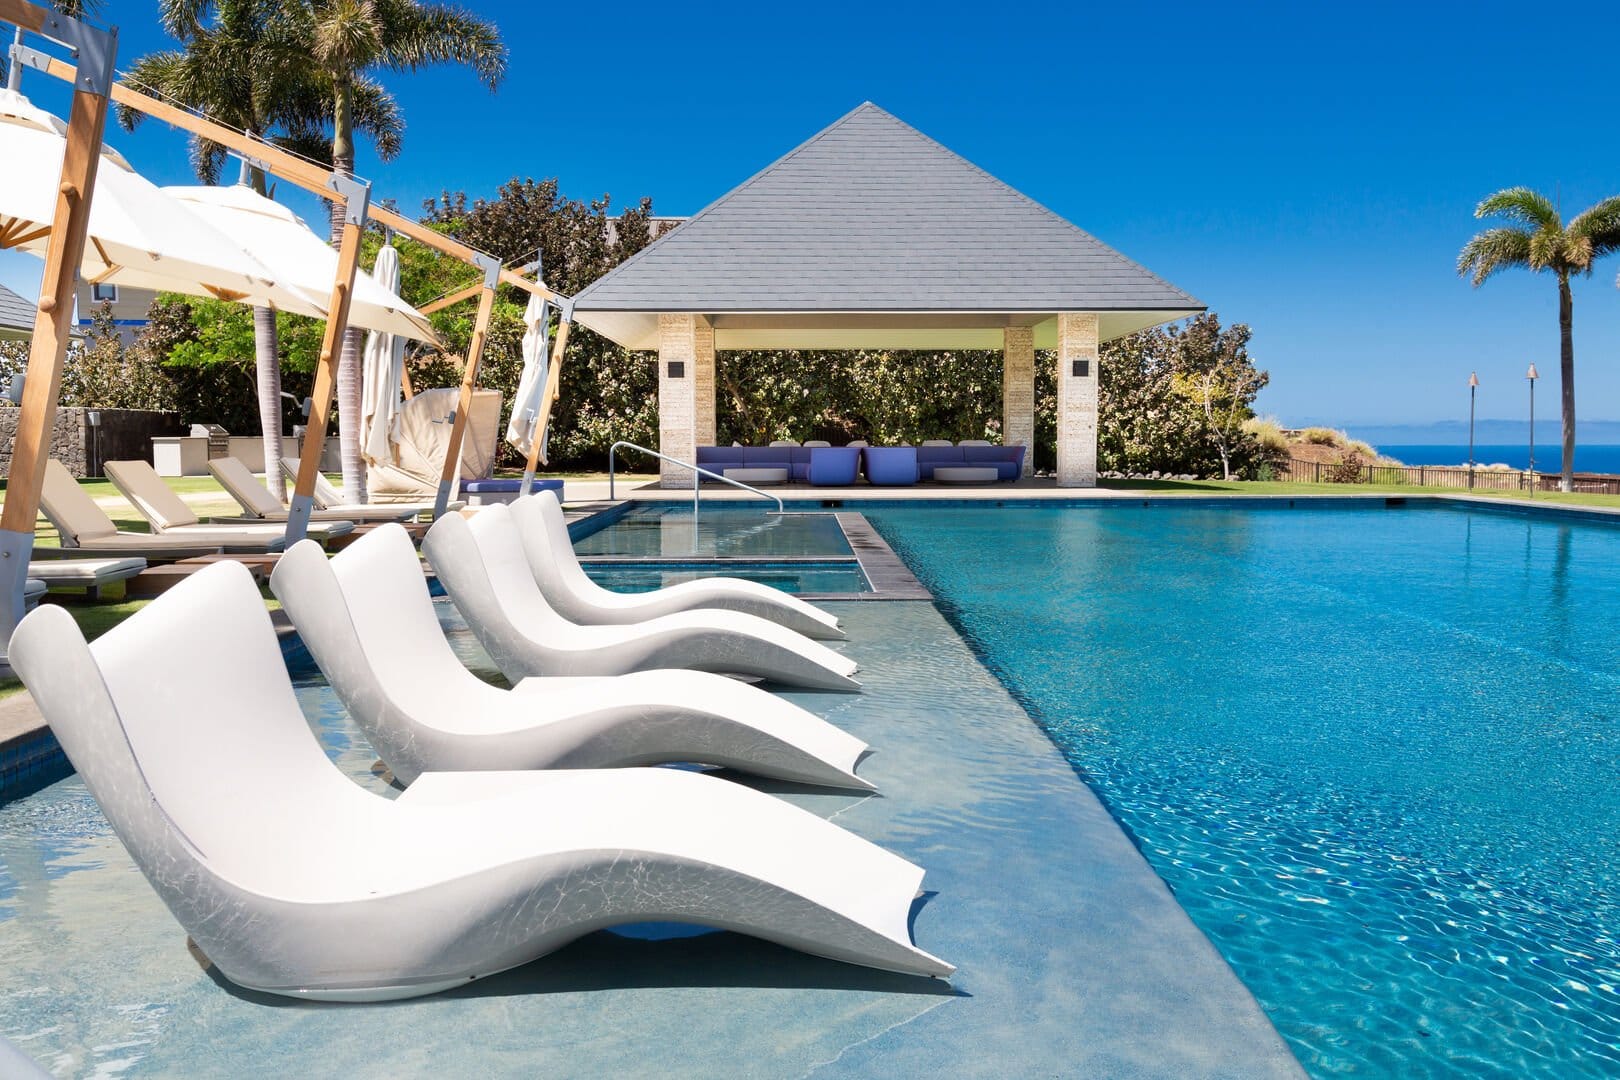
{"x": 337, "y": 322}
{"x": 455, "y": 248}
{"x": 452, "y": 299}
{"x": 469, "y": 379}
{"x": 537, "y": 454}
{"x": 305, "y": 174}
{"x": 23, "y": 14}
{"x": 52, "y": 320}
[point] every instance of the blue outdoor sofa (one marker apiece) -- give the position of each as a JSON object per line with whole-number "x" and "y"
{"x": 836, "y": 466}
{"x": 1007, "y": 460}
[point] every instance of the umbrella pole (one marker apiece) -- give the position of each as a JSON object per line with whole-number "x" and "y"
{"x": 70, "y": 225}
{"x": 469, "y": 379}
{"x": 553, "y": 382}
{"x": 355, "y": 195}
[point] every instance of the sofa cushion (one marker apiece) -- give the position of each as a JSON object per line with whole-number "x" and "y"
{"x": 766, "y": 457}
{"x": 719, "y": 455}
{"x": 1008, "y": 460}
{"x": 930, "y": 455}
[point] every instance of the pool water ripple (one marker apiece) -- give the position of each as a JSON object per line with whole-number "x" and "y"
{"x": 1373, "y": 752}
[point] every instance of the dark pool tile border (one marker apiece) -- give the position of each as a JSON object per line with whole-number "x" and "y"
{"x": 30, "y": 761}
{"x": 889, "y": 577}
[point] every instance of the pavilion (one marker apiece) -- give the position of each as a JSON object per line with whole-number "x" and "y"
{"x": 873, "y": 236}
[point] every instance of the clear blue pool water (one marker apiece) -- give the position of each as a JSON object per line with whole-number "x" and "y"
{"x": 824, "y": 577}
{"x": 1373, "y": 752}
{"x": 721, "y": 530}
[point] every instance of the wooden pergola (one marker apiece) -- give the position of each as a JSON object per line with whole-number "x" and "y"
{"x": 92, "y": 76}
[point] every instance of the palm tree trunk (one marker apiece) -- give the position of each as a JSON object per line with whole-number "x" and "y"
{"x": 267, "y": 380}
{"x": 1566, "y": 375}
{"x": 349, "y": 390}
{"x": 267, "y": 377}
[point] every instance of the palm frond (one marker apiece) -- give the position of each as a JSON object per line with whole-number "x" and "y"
{"x": 346, "y": 36}
{"x": 156, "y": 71}
{"x": 416, "y": 35}
{"x": 1521, "y": 204}
{"x": 1492, "y": 251}
{"x": 377, "y": 113}
{"x": 1599, "y": 225}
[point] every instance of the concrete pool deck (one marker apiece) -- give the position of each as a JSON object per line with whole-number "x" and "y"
{"x": 1074, "y": 958}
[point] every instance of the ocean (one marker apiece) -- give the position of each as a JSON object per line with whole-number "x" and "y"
{"x": 1549, "y": 458}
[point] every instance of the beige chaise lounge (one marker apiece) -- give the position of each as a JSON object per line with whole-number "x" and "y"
{"x": 259, "y": 505}
{"x": 84, "y": 526}
{"x": 168, "y": 513}
{"x": 58, "y": 569}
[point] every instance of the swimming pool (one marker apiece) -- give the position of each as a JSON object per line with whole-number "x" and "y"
{"x": 1373, "y": 752}
{"x": 97, "y": 979}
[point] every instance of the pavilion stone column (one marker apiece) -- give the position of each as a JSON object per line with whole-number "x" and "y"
{"x": 685, "y": 392}
{"x": 1018, "y": 391}
{"x": 1077, "y": 400}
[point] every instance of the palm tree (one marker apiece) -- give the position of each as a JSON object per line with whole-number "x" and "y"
{"x": 241, "y": 65}
{"x": 1539, "y": 240}
{"x": 347, "y": 39}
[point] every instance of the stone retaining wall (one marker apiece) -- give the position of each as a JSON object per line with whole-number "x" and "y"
{"x": 123, "y": 434}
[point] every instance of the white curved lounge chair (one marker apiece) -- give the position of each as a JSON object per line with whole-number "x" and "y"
{"x": 367, "y": 619}
{"x": 544, "y": 530}
{"x": 303, "y": 883}
{"x": 482, "y": 566}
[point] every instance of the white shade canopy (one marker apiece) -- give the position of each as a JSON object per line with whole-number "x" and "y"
{"x": 278, "y": 239}
{"x": 138, "y": 235}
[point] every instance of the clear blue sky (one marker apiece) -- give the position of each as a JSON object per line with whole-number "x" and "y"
{"x": 1308, "y": 170}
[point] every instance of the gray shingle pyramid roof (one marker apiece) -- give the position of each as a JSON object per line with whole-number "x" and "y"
{"x": 16, "y": 315}
{"x": 870, "y": 215}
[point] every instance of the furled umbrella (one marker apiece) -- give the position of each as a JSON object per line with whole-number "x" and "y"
{"x": 521, "y": 429}
{"x": 382, "y": 373}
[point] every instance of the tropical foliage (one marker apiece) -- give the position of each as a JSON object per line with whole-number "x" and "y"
{"x": 1170, "y": 398}
{"x": 1537, "y": 239}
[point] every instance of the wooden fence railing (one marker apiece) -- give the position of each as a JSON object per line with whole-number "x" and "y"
{"x": 1442, "y": 476}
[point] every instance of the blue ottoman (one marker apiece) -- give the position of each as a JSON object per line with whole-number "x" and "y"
{"x": 891, "y": 466}
{"x": 485, "y": 492}
{"x": 834, "y": 466}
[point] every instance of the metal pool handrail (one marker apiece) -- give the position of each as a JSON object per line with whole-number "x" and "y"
{"x": 698, "y": 473}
